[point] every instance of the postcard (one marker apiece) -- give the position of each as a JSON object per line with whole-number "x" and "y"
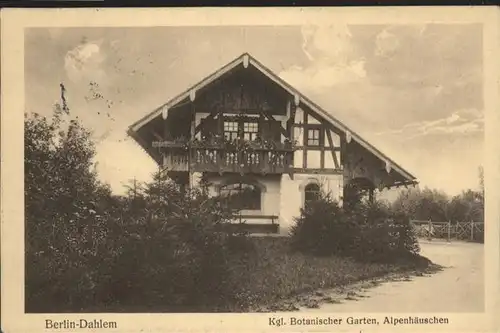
{"x": 250, "y": 169}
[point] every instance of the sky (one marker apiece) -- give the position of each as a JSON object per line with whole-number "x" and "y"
{"x": 414, "y": 91}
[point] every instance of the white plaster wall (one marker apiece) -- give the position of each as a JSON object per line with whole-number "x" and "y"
{"x": 298, "y": 135}
{"x": 299, "y": 116}
{"x": 314, "y": 159}
{"x": 329, "y": 163}
{"x": 298, "y": 158}
{"x": 312, "y": 120}
{"x": 335, "y": 139}
{"x": 290, "y": 203}
{"x": 292, "y": 194}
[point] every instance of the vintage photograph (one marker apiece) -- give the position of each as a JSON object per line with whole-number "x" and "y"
{"x": 245, "y": 169}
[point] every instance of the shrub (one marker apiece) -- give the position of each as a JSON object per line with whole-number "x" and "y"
{"x": 366, "y": 231}
{"x": 322, "y": 229}
{"x": 178, "y": 259}
{"x": 387, "y": 240}
{"x": 160, "y": 248}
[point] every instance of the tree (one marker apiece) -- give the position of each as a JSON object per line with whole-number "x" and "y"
{"x": 481, "y": 180}
{"x": 423, "y": 204}
{"x": 65, "y": 207}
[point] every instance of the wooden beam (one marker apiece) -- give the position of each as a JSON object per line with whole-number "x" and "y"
{"x": 291, "y": 120}
{"x": 343, "y": 150}
{"x": 316, "y": 148}
{"x": 193, "y": 121}
{"x": 305, "y": 141}
{"x": 332, "y": 149}
{"x": 270, "y": 117}
{"x": 323, "y": 171}
{"x": 322, "y": 157}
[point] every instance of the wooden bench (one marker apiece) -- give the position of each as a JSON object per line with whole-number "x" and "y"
{"x": 250, "y": 227}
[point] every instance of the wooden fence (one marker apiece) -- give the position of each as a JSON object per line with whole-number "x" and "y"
{"x": 468, "y": 231}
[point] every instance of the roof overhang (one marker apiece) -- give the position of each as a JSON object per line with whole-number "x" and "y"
{"x": 246, "y": 60}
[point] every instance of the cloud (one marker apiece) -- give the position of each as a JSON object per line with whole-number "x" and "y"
{"x": 465, "y": 121}
{"x": 391, "y": 39}
{"x": 332, "y": 60}
{"x": 386, "y": 43}
{"x": 84, "y": 62}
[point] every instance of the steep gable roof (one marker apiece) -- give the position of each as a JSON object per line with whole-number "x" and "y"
{"x": 247, "y": 60}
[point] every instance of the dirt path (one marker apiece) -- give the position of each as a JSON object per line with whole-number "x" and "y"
{"x": 459, "y": 287}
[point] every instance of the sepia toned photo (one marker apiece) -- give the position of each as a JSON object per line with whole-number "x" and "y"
{"x": 328, "y": 175}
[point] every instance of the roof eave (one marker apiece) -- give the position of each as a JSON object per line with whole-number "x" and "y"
{"x": 134, "y": 128}
{"x": 144, "y": 146}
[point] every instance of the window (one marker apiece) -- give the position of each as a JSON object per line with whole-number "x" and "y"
{"x": 250, "y": 130}
{"x": 242, "y": 196}
{"x": 230, "y": 130}
{"x": 312, "y": 193}
{"x": 314, "y": 137}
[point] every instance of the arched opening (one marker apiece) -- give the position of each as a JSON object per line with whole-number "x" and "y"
{"x": 358, "y": 190}
{"x": 242, "y": 196}
{"x": 312, "y": 192}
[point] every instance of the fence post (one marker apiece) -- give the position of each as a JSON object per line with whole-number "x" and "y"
{"x": 449, "y": 231}
{"x": 430, "y": 231}
{"x": 472, "y": 230}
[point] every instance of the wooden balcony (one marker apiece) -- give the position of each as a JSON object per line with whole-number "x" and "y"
{"x": 223, "y": 160}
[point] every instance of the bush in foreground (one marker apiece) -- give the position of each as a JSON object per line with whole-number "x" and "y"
{"x": 368, "y": 232}
{"x": 180, "y": 261}
{"x": 87, "y": 250}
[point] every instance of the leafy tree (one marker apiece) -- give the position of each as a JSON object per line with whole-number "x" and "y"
{"x": 65, "y": 225}
{"x": 467, "y": 206}
{"x": 423, "y": 204}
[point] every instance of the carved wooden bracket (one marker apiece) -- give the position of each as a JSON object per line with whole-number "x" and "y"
{"x": 296, "y": 99}
{"x": 388, "y": 166}
{"x": 192, "y": 95}
{"x": 164, "y": 113}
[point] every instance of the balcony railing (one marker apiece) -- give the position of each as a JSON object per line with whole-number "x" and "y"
{"x": 221, "y": 158}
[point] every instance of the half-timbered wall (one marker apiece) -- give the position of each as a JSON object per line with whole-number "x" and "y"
{"x": 324, "y": 155}
{"x": 318, "y": 147}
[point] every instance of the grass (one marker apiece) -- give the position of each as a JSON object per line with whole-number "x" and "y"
{"x": 270, "y": 278}
{"x": 273, "y": 273}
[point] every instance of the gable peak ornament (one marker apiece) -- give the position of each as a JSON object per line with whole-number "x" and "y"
{"x": 245, "y": 60}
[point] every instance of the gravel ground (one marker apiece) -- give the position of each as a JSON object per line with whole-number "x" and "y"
{"x": 458, "y": 287}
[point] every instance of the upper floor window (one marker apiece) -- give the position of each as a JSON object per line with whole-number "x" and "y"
{"x": 250, "y": 130}
{"x": 230, "y": 130}
{"x": 242, "y": 196}
{"x": 246, "y": 128}
{"x": 314, "y": 137}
